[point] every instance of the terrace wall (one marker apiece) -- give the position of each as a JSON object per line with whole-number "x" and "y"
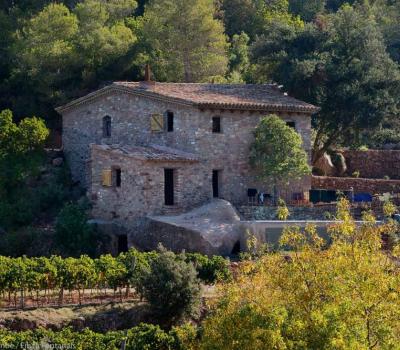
{"x": 360, "y": 185}
{"x": 375, "y": 164}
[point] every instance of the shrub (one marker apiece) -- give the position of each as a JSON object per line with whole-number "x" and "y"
{"x": 74, "y": 235}
{"x": 389, "y": 209}
{"x": 26, "y": 241}
{"x": 356, "y": 174}
{"x": 210, "y": 270}
{"x": 282, "y": 212}
{"x": 384, "y": 137}
{"x": 171, "y": 287}
{"x": 148, "y": 336}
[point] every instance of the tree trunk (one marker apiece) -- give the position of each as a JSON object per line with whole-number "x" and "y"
{"x": 22, "y": 299}
{"x": 275, "y": 194}
{"x": 186, "y": 66}
{"x": 61, "y": 297}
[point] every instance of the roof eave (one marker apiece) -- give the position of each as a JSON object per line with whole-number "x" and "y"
{"x": 260, "y": 107}
{"x": 118, "y": 88}
{"x": 310, "y": 109}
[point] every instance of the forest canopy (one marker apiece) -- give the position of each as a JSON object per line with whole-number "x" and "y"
{"x": 340, "y": 55}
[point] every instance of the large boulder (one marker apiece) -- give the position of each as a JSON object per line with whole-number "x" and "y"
{"x": 210, "y": 229}
{"x": 325, "y": 165}
{"x": 340, "y": 164}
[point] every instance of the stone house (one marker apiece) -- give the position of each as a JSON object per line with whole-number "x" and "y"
{"x": 149, "y": 148}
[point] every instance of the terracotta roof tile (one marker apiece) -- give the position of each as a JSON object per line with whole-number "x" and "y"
{"x": 263, "y": 97}
{"x": 242, "y": 96}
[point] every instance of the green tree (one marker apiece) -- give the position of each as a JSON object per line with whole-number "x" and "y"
{"x": 239, "y": 60}
{"x": 171, "y": 287}
{"x": 339, "y": 64}
{"x": 73, "y": 233}
{"x": 243, "y": 16}
{"x": 307, "y": 9}
{"x": 187, "y": 43}
{"x": 346, "y": 296}
{"x": 276, "y": 152}
{"x": 87, "y": 40}
{"x": 21, "y": 153}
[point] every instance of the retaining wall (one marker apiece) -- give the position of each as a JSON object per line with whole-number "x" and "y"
{"x": 373, "y": 186}
{"x": 374, "y": 164}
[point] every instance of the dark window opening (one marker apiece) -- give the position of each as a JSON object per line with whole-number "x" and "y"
{"x": 170, "y": 121}
{"x": 117, "y": 176}
{"x": 236, "y": 248}
{"x": 291, "y": 124}
{"x": 169, "y": 186}
{"x": 122, "y": 244}
{"x": 215, "y": 183}
{"x": 107, "y": 126}
{"x": 216, "y": 124}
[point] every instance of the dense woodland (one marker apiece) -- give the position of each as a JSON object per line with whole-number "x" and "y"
{"x": 340, "y": 55}
{"x": 310, "y": 293}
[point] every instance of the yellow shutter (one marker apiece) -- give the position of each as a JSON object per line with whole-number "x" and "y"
{"x": 157, "y": 122}
{"x": 107, "y": 177}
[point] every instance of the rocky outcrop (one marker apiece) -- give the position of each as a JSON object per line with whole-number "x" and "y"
{"x": 210, "y": 229}
{"x": 325, "y": 165}
{"x": 340, "y": 164}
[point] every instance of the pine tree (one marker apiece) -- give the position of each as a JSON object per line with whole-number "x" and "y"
{"x": 187, "y": 42}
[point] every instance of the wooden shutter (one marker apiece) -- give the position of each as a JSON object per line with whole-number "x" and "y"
{"x": 107, "y": 177}
{"x": 157, "y": 122}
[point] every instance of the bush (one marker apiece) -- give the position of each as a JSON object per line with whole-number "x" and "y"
{"x": 26, "y": 241}
{"x": 142, "y": 337}
{"x": 148, "y": 336}
{"x": 210, "y": 270}
{"x": 384, "y": 137}
{"x": 74, "y": 235}
{"x": 282, "y": 212}
{"x": 171, "y": 287}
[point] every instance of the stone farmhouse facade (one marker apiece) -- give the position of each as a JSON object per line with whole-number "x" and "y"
{"x": 149, "y": 148}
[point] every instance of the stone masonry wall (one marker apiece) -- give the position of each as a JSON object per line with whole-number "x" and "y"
{"x": 373, "y": 186}
{"x": 375, "y": 164}
{"x": 142, "y": 186}
{"x": 227, "y": 151}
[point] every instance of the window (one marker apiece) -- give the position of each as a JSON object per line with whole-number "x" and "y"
{"x": 215, "y": 183}
{"x": 170, "y": 121}
{"x": 216, "y": 124}
{"x": 117, "y": 177}
{"x": 111, "y": 177}
{"x": 291, "y": 124}
{"x": 122, "y": 243}
{"x": 157, "y": 123}
{"x": 107, "y": 126}
{"x": 169, "y": 187}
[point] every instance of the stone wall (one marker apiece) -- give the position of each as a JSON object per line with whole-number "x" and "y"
{"x": 227, "y": 151}
{"x": 372, "y": 186}
{"x": 142, "y": 186}
{"x": 317, "y": 212}
{"x": 375, "y": 164}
